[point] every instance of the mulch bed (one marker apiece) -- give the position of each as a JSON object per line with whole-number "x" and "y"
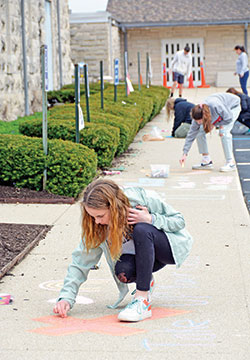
{"x": 9, "y": 194}
{"x": 16, "y": 241}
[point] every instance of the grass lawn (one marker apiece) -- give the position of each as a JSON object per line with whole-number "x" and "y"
{"x": 12, "y": 127}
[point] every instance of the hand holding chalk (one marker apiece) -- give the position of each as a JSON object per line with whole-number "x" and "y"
{"x": 182, "y": 160}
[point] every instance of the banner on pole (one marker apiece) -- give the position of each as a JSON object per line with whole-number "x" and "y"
{"x": 130, "y": 86}
{"x": 81, "y": 118}
{"x": 116, "y": 81}
{"x": 87, "y": 79}
{"x": 46, "y": 68}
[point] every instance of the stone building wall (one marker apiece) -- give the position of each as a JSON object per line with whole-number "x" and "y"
{"x": 94, "y": 38}
{"x": 219, "y": 42}
{"x": 12, "y": 97}
{"x": 90, "y": 44}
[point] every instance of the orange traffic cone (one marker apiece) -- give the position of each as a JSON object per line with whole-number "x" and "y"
{"x": 191, "y": 83}
{"x": 165, "y": 77}
{"x": 141, "y": 80}
{"x": 203, "y": 81}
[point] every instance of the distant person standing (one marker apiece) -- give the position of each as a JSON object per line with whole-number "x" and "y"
{"x": 181, "y": 66}
{"x": 242, "y": 69}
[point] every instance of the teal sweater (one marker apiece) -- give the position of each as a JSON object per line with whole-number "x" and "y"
{"x": 164, "y": 218}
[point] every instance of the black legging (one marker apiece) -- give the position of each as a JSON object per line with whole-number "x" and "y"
{"x": 152, "y": 252}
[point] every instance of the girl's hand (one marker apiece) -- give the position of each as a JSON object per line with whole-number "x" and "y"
{"x": 61, "y": 308}
{"x": 221, "y": 133}
{"x": 183, "y": 159}
{"x": 135, "y": 216}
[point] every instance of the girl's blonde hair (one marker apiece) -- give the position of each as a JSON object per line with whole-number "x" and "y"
{"x": 202, "y": 112}
{"x": 169, "y": 107}
{"x": 105, "y": 194}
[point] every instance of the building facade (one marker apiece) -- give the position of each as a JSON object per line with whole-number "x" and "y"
{"x": 95, "y": 37}
{"x": 24, "y": 27}
{"x": 160, "y": 28}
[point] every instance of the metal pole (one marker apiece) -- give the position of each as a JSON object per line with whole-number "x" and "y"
{"x": 147, "y": 69}
{"x": 77, "y": 85}
{"x": 245, "y": 35}
{"x": 26, "y": 92}
{"x": 44, "y": 106}
{"x": 139, "y": 71}
{"x": 125, "y": 72}
{"x": 102, "y": 83}
{"x": 86, "y": 91}
{"x": 59, "y": 43}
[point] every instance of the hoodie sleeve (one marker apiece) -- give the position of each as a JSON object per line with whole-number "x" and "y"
{"x": 165, "y": 217}
{"x": 175, "y": 59}
{"x": 189, "y": 67}
{"x": 191, "y": 136}
{"x": 82, "y": 262}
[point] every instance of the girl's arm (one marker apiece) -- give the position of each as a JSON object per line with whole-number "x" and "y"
{"x": 82, "y": 262}
{"x": 191, "y": 136}
{"x": 164, "y": 217}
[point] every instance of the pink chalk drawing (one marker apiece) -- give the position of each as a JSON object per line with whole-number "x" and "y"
{"x": 108, "y": 325}
{"x": 219, "y": 180}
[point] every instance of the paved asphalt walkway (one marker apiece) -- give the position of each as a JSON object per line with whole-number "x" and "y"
{"x": 200, "y": 311}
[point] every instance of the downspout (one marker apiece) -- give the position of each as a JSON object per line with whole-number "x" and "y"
{"x": 25, "y": 80}
{"x": 110, "y": 47}
{"x": 245, "y": 35}
{"x": 124, "y": 30}
{"x": 59, "y": 44}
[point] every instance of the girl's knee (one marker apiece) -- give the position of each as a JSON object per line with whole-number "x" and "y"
{"x": 140, "y": 229}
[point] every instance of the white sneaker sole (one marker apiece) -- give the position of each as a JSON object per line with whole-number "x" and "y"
{"x": 208, "y": 167}
{"x": 228, "y": 170}
{"x": 135, "y": 318}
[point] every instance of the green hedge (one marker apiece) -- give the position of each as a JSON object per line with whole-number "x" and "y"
{"x": 103, "y": 139}
{"x": 70, "y": 166}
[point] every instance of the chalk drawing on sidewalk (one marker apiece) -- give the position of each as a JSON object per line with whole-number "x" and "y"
{"x": 219, "y": 180}
{"x": 205, "y": 197}
{"x": 182, "y": 281}
{"x": 107, "y": 325}
{"x": 185, "y": 185}
{"x": 193, "y": 172}
{"x": 93, "y": 285}
{"x": 52, "y": 285}
{"x": 184, "y": 332}
{"x": 81, "y": 300}
{"x": 147, "y": 182}
{"x": 181, "y": 300}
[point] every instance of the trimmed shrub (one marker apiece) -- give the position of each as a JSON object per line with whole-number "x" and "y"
{"x": 70, "y": 167}
{"x": 103, "y": 139}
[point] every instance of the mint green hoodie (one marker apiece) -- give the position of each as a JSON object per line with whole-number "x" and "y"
{"x": 164, "y": 218}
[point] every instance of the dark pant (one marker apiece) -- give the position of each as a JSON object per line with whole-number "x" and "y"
{"x": 243, "y": 82}
{"x": 152, "y": 252}
{"x": 244, "y": 118}
{"x": 178, "y": 77}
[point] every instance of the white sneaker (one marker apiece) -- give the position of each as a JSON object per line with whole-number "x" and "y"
{"x": 139, "y": 309}
{"x": 228, "y": 167}
{"x": 203, "y": 166}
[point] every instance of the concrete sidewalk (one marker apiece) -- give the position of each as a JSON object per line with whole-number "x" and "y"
{"x": 200, "y": 311}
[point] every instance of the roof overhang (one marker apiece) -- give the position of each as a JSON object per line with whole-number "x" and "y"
{"x": 178, "y": 24}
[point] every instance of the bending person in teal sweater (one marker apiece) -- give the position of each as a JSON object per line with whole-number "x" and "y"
{"x": 138, "y": 236}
